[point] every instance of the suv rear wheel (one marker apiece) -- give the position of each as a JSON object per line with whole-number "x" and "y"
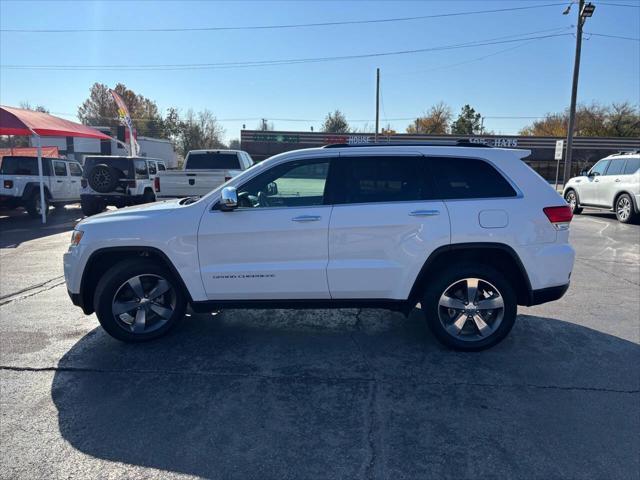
{"x": 33, "y": 205}
{"x": 624, "y": 209}
{"x": 470, "y": 307}
{"x": 138, "y": 300}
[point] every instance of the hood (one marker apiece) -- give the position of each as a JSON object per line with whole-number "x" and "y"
{"x": 133, "y": 213}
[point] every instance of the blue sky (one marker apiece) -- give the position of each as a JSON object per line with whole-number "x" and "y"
{"x": 520, "y": 79}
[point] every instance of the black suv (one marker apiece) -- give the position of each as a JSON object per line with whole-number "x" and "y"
{"x": 117, "y": 181}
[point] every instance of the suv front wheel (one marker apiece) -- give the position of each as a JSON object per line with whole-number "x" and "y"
{"x": 470, "y": 307}
{"x": 138, "y": 300}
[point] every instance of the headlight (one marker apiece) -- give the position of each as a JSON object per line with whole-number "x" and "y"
{"x": 76, "y": 236}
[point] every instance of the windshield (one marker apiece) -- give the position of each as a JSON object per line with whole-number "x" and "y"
{"x": 212, "y": 160}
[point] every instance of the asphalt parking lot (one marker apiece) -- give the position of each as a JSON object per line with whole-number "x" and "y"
{"x": 320, "y": 394}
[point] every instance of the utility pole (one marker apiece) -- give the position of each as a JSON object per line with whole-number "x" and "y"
{"x": 584, "y": 11}
{"x": 377, "y": 102}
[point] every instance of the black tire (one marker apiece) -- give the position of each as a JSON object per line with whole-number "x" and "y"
{"x": 470, "y": 338}
{"x": 90, "y": 206}
{"x": 33, "y": 204}
{"x": 571, "y": 197}
{"x": 625, "y": 211}
{"x": 103, "y": 178}
{"x": 113, "y": 281}
{"x": 148, "y": 196}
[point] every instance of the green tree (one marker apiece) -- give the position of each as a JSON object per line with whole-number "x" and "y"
{"x": 434, "y": 122}
{"x": 234, "y": 144}
{"x": 335, "y": 122}
{"x": 468, "y": 122}
{"x": 594, "y": 120}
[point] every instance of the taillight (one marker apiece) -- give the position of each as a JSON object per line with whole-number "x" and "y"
{"x": 156, "y": 184}
{"x": 560, "y": 217}
{"x": 83, "y": 182}
{"x": 8, "y": 184}
{"x": 131, "y": 183}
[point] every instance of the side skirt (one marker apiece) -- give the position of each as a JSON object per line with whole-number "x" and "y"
{"x": 402, "y": 306}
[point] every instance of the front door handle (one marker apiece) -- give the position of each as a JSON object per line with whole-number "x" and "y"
{"x": 617, "y": 179}
{"x": 58, "y": 181}
{"x": 425, "y": 213}
{"x": 596, "y": 180}
{"x": 306, "y": 218}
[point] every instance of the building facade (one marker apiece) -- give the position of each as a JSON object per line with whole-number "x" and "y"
{"x": 586, "y": 150}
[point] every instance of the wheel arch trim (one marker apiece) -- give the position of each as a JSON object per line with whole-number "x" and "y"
{"x": 446, "y": 249}
{"x": 136, "y": 250}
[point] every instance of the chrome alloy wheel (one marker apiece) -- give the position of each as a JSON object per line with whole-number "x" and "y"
{"x": 572, "y": 200}
{"x": 143, "y": 303}
{"x": 471, "y": 309}
{"x": 623, "y": 208}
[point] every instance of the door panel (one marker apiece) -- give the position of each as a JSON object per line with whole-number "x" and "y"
{"x": 377, "y": 250}
{"x": 265, "y": 253}
{"x": 381, "y": 230}
{"x": 60, "y": 185}
{"x": 589, "y": 187}
{"x": 610, "y": 182}
{"x": 275, "y": 246}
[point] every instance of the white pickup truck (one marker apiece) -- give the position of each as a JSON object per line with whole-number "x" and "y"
{"x": 203, "y": 171}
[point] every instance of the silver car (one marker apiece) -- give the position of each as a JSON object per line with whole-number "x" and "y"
{"x": 613, "y": 183}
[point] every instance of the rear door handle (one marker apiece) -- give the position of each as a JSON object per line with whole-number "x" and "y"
{"x": 617, "y": 179}
{"x": 58, "y": 181}
{"x": 425, "y": 213}
{"x": 306, "y": 218}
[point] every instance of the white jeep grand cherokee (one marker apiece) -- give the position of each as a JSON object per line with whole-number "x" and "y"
{"x": 469, "y": 232}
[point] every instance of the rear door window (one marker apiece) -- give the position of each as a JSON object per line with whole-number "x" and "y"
{"x": 140, "y": 167}
{"x": 463, "y": 178}
{"x": 59, "y": 168}
{"x": 632, "y": 166}
{"x": 75, "y": 169}
{"x": 378, "y": 179}
{"x": 616, "y": 167}
{"x": 213, "y": 160}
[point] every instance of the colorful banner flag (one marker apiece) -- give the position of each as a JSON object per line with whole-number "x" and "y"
{"x": 123, "y": 111}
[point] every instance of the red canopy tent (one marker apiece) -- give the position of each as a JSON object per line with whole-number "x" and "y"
{"x": 18, "y": 121}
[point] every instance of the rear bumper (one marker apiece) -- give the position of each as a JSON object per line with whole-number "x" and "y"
{"x": 115, "y": 200}
{"x": 10, "y": 201}
{"x": 549, "y": 294}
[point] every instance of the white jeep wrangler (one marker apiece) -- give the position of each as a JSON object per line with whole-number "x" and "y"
{"x": 469, "y": 232}
{"x": 21, "y": 182}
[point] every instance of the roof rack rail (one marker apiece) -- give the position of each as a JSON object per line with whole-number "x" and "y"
{"x": 627, "y": 152}
{"x": 457, "y": 143}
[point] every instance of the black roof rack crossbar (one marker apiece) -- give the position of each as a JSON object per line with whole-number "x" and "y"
{"x": 458, "y": 143}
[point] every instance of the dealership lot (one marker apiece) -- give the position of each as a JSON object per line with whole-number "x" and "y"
{"x": 319, "y": 394}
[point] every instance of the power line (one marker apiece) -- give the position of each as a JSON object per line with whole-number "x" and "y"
{"x": 634, "y": 39}
{"x": 260, "y": 63}
{"x": 273, "y": 27}
{"x": 611, "y": 4}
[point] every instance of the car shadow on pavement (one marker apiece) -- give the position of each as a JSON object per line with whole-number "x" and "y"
{"x": 352, "y": 394}
{"x": 17, "y": 227}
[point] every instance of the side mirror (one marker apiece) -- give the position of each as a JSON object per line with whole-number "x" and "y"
{"x": 272, "y": 188}
{"x": 594, "y": 174}
{"x": 229, "y": 199}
